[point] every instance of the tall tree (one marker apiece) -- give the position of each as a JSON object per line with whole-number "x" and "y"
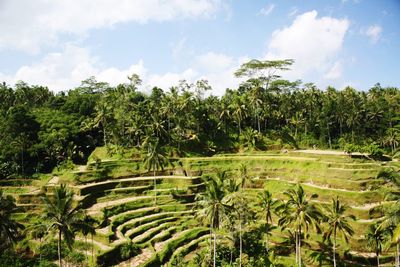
{"x": 268, "y": 205}
{"x": 376, "y": 237}
{"x": 62, "y": 215}
{"x": 86, "y": 226}
{"x": 299, "y": 213}
{"x": 263, "y": 70}
{"x": 337, "y": 221}
{"x": 212, "y": 206}
{"x": 154, "y": 160}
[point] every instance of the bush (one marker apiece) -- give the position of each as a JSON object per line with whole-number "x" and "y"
{"x": 49, "y": 251}
{"x": 117, "y": 254}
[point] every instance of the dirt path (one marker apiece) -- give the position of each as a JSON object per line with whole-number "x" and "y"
{"x": 139, "y": 178}
{"x": 318, "y": 186}
{"x": 328, "y": 152}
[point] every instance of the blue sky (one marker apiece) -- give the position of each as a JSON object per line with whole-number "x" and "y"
{"x": 60, "y": 43}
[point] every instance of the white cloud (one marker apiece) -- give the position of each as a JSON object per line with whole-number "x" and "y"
{"x": 26, "y": 25}
{"x": 373, "y": 33}
{"x": 335, "y": 72}
{"x": 213, "y": 62}
{"x": 312, "y": 42}
{"x": 267, "y": 9}
{"x": 166, "y": 80}
{"x": 66, "y": 69}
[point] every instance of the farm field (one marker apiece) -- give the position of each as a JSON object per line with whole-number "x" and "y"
{"x": 137, "y": 229}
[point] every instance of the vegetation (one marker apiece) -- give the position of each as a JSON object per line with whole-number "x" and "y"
{"x": 183, "y": 178}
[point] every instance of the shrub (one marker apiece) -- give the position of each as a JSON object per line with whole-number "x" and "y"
{"x": 117, "y": 254}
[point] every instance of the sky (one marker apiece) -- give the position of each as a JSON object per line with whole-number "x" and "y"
{"x": 333, "y": 42}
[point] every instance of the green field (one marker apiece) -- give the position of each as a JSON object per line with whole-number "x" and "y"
{"x": 170, "y": 233}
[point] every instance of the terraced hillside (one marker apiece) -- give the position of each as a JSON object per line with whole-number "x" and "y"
{"x": 138, "y": 229}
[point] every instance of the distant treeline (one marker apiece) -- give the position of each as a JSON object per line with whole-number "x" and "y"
{"x": 41, "y": 129}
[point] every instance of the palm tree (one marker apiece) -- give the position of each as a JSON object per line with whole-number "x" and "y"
{"x": 87, "y": 226}
{"x": 238, "y": 110}
{"x": 9, "y": 228}
{"x": 212, "y": 206}
{"x": 376, "y": 238}
{"x": 37, "y": 231}
{"x": 268, "y": 205}
{"x": 299, "y": 213}
{"x": 62, "y": 215}
{"x": 154, "y": 160}
{"x": 337, "y": 221}
{"x": 392, "y": 212}
{"x": 244, "y": 176}
{"x": 392, "y": 138}
{"x": 239, "y": 208}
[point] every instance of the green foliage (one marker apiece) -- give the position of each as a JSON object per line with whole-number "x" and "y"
{"x": 9, "y": 228}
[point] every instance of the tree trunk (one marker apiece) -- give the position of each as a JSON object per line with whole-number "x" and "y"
{"x": 22, "y": 159}
{"x": 215, "y": 241}
{"x": 40, "y": 249}
{"x": 59, "y": 248}
{"x": 211, "y": 249}
{"x": 104, "y": 134}
{"x": 240, "y": 243}
{"x": 266, "y": 237}
{"x": 155, "y": 188}
{"x": 299, "y": 248}
{"x": 86, "y": 252}
{"x": 92, "y": 252}
{"x": 329, "y": 136}
{"x": 334, "y": 248}
{"x": 377, "y": 259}
{"x": 230, "y": 261}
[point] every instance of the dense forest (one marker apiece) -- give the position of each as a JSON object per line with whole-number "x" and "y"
{"x": 42, "y": 129}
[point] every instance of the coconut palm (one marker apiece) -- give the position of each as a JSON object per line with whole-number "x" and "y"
{"x": 240, "y": 210}
{"x": 300, "y": 214}
{"x": 154, "y": 160}
{"x": 392, "y": 212}
{"x": 238, "y": 111}
{"x": 9, "y": 228}
{"x": 268, "y": 205}
{"x": 62, "y": 215}
{"x": 376, "y": 237}
{"x": 337, "y": 221}
{"x": 243, "y": 174}
{"x": 212, "y": 206}
{"x": 87, "y": 226}
{"x": 38, "y": 230}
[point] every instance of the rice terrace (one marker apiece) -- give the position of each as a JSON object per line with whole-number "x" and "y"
{"x": 199, "y": 133}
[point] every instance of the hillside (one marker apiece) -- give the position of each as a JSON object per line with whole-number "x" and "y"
{"x": 120, "y": 194}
